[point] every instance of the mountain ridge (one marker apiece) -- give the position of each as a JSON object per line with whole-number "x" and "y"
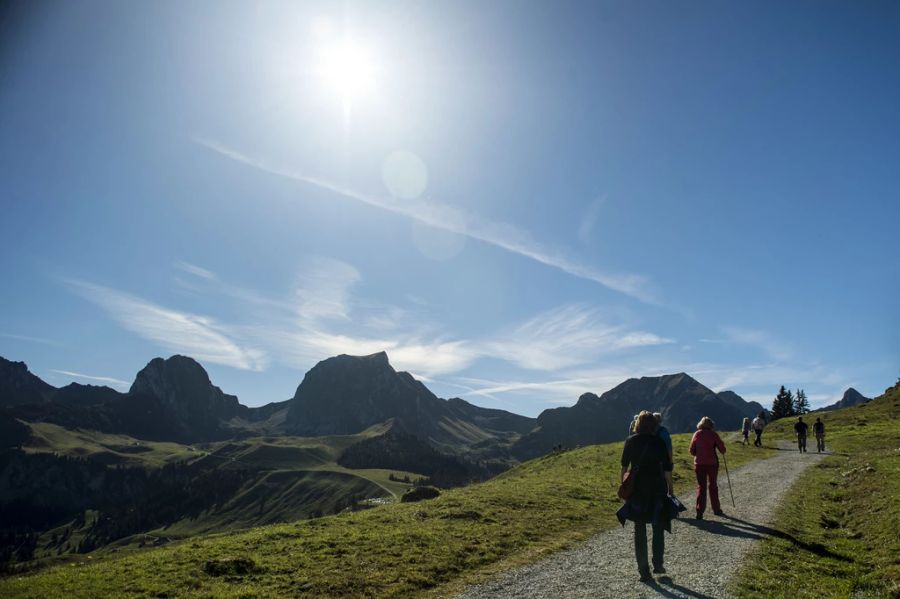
{"x": 680, "y": 398}
{"x": 174, "y": 399}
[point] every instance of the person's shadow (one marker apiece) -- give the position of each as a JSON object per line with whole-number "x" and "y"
{"x": 666, "y": 587}
{"x": 735, "y": 527}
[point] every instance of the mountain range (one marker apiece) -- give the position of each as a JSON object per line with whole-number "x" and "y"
{"x": 173, "y": 399}
{"x": 176, "y": 456}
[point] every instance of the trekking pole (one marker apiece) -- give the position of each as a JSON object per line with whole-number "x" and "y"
{"x": 728, "y": 476}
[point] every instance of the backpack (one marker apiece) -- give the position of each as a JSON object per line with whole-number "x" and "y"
{"x": 626, "y": 487}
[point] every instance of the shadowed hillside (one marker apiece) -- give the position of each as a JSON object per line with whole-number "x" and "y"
{"x": 681, "y": 399}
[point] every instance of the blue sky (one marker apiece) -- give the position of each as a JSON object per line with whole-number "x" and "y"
{"x": 520, "y": 202}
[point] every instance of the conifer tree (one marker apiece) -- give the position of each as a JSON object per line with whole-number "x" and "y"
{"x": 801, "y": 403}
{"x": 783, "y": 405}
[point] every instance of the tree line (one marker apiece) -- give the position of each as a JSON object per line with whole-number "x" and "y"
{"x": 787, "y": 403}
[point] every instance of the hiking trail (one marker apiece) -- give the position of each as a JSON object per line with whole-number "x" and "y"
{"x": 701, "y": 555}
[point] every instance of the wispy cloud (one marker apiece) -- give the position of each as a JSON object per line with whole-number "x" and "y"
{"x": 100, "y": 379}
{"x": 31, "y": 339}
{"x": 324, "y": 289}
{"x": 564, "y": 385}
{"x": 198, "y": 336}
{"x": 760, "y": 339}
{"x": 589, "y": 220}
{"x": 449, "y": 218}
{"x": 197, "y": 271}
{"x": 566, "y": 336}
{"x": 320, "y": 316}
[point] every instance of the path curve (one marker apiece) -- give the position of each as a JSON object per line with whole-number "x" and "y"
{"x": 700, "y": 557}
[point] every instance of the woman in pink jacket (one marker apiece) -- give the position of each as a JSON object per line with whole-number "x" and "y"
{"x": 706, "y": 465}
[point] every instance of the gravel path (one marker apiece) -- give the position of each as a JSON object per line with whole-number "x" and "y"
{"x": 604, "y": 565}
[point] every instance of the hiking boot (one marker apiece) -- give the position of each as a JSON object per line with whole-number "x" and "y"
{"x": 646, "y": 576}
{"x": 719, "y": 513}
{"x": 699, "y": 515}
{"x": 659, "y": 570}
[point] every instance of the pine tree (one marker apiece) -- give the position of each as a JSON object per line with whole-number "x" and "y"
{"x": 789, "y": 402}
{"x": 801, "y": 403}
{"x": 782, "y": 405}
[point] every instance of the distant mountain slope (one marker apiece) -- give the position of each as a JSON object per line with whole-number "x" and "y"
{"x": 19, "y": 386}
{"x": 681, "y": 399}
{"x": 171, "y": 399}
{"x": 750, "y": 409}
{"x": 851, "y": 397}
{"x": 491, "y": 419}
{"x": 347, "y": 394}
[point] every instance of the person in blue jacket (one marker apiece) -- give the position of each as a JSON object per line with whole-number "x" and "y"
{"x": 663, "y": 433}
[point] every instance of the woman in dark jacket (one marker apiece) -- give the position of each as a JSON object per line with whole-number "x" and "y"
{"x": 649, "y": 458}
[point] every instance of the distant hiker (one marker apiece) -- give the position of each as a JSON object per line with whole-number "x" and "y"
{"x": 819, "y": 430}
{"x": 663, "y": 433}
{"x": 706, "y": 465}
{"x": 745, "y": 429}
{"x": 759, "y": 423}
{"x": 800, "y": 428}
{"x": 649, "y": 503}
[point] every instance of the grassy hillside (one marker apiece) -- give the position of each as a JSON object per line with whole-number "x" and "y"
{"x": 392, "y": 551}
{"x": 109, "y": 448}
{"x": 842, "y": 518}
{"x": 281, "y": 479}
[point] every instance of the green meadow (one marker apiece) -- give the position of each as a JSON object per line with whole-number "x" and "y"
{"x": 840, "y": 522}
{"x": 396, "y": 550}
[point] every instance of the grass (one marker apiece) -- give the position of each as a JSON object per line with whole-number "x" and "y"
{"x": 841, "y": 520}
{"x": 398, "y": 550}
{"x": 294, "y": 478}
{"x": 110, "y": 448}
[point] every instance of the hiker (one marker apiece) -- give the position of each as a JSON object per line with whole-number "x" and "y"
{"x": 800, "y": 428}
{"x": 649, "y": 502}
{"x": 819, "y": 430}
{"x": 663, "y": 433}
{"x": 745, "y": 429}
{"x": 759, "y": 423}
{"x": 706, "y": 465}
{"x": 632, "y": 426}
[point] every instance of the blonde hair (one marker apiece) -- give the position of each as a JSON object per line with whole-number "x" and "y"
{"x": 646, "y": 423}
{"x": 706, "y": 423}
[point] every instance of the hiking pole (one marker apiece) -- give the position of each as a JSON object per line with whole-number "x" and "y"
{"x": 728, "y": 476}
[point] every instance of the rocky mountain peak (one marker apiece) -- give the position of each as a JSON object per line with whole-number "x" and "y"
{"x": 183, "y": 387}
{"x": 165, "y": 379}
{"x": 19, "y": 386}
{"x": 853, "y": 397}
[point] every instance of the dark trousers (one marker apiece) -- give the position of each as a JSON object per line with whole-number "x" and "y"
{"x": 704, "y": 474}
{"x": 801, "y": 442}
{"x": 758, "y": 441}
{"x": 820, "y": 442}
{"x": 640, "y": 545}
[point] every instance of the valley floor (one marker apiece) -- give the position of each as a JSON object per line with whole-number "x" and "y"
{"x": 701, "y": 556}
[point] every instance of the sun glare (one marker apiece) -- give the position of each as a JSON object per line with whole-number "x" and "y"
{"x": 348, "y": 69}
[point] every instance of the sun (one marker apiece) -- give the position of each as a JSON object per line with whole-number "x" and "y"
{"x": 347, "y": 68}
